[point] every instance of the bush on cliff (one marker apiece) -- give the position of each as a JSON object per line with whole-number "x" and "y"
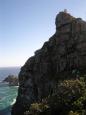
{"x": 68, "y": 98}
{"x": 69, "y": 95}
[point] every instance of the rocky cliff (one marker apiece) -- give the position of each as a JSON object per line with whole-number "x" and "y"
{"x": 60, "y": 56}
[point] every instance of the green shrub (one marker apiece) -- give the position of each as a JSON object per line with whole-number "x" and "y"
{"x": 68, "y": 98}
{"x": 73, "y": 113}
{"x": 37, "y": 108}
{"x": 69, "y": 95}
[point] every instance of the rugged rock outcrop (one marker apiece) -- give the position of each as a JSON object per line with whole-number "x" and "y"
{"x": 12, "y": 80}
{"x": 64, "y": 52}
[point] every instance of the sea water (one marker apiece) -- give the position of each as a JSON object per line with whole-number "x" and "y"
{"x": 8, "y": 93}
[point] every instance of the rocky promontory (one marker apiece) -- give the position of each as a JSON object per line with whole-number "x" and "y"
{"x": 63, "y": 56}
{"x": 12, "y": 80}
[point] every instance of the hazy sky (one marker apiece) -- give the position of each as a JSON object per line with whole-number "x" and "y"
{"x": 26, "y": 24}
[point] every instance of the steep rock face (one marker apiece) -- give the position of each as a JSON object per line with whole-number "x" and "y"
{"x": 64, "y": 52}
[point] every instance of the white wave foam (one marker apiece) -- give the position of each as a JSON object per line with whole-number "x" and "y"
{"x": 16, "y": 86}
{"x": 14, "y": 100}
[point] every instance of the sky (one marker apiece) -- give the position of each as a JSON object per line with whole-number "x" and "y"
{"x": 26, "y": 24}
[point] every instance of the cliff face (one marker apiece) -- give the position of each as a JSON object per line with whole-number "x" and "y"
{"x": 64, "y": 52}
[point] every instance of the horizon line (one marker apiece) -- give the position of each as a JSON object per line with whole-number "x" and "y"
{"x": 9, "y": 66}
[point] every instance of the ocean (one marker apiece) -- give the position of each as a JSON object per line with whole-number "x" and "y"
{"x": 8, "y": 93}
